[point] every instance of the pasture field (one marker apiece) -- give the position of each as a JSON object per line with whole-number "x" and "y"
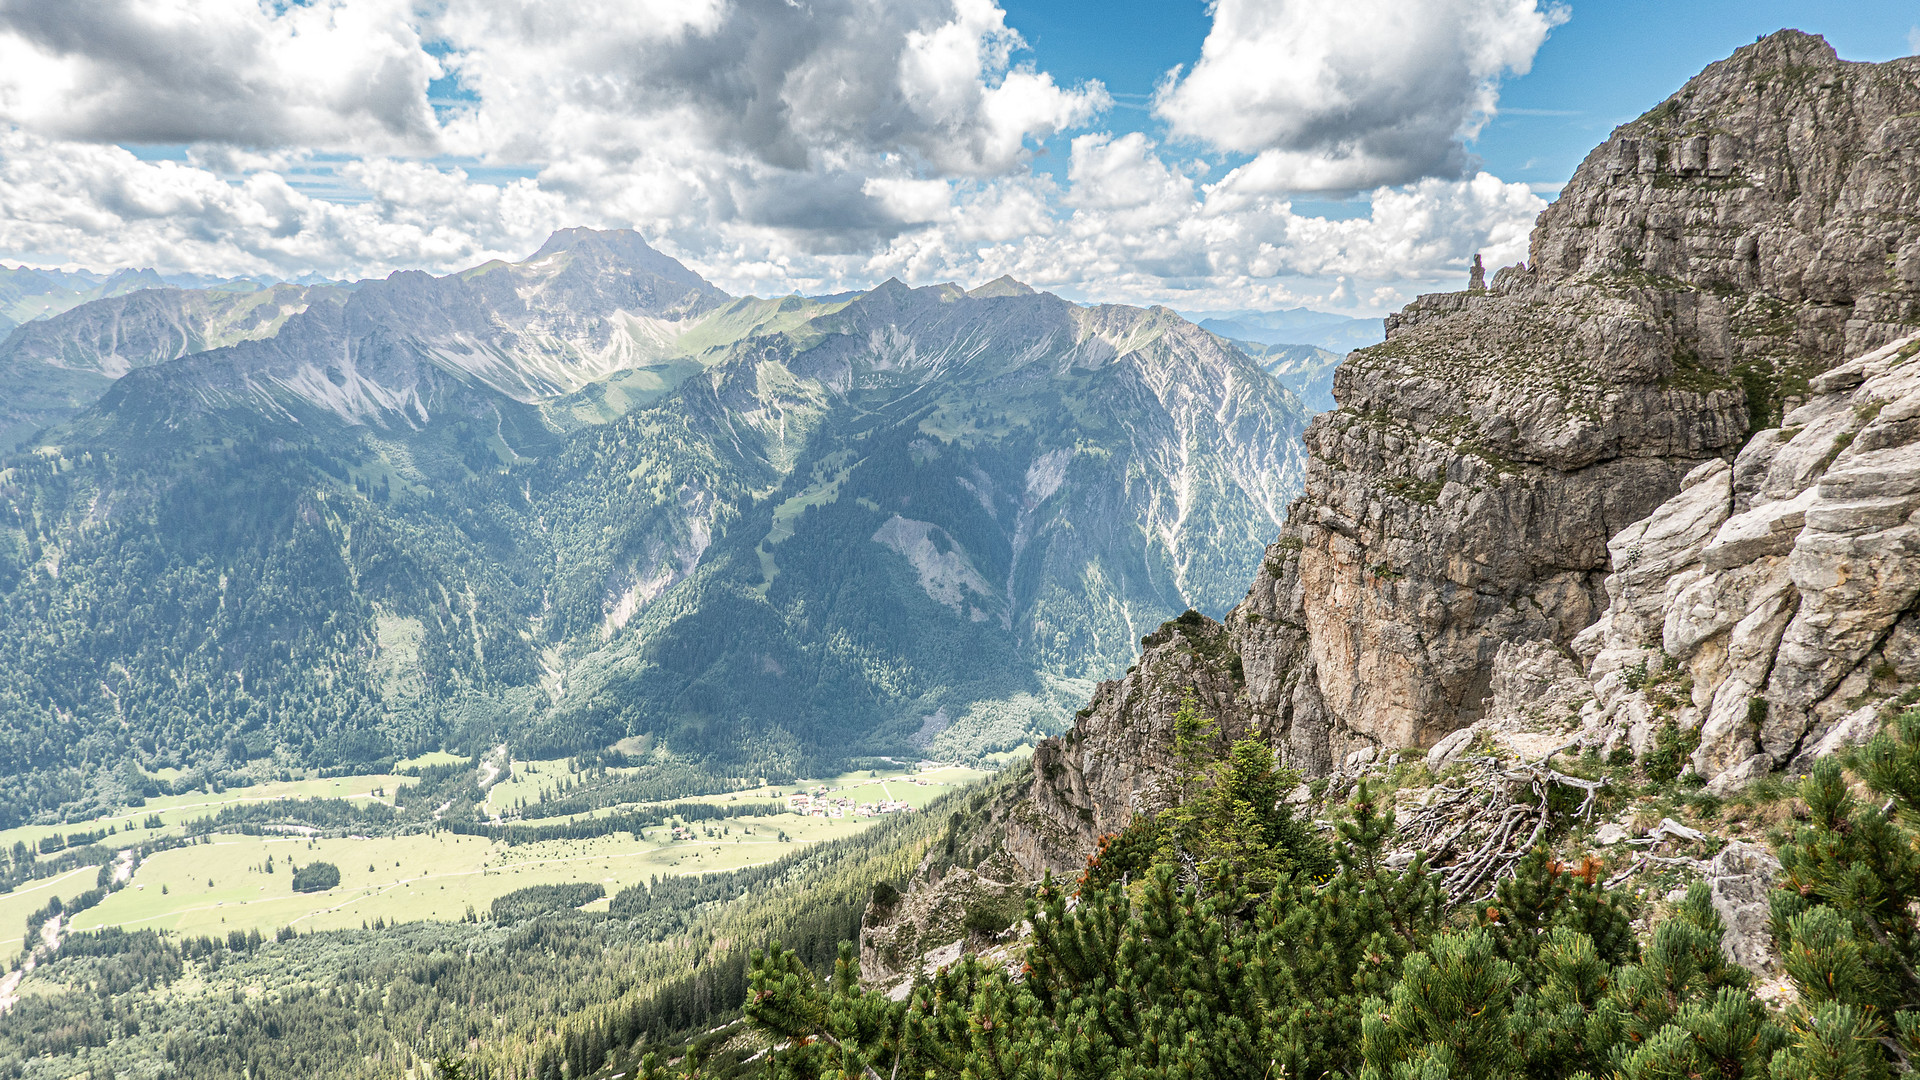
{"x": 535, "y": 781}
{"x": 175, "y": 810}
{"x": 222, "y": 884}
{"x": 428, "y": 760}
{"x": 15, "y": 906}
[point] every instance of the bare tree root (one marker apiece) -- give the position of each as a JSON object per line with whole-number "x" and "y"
{"x": 1474, "y": 832}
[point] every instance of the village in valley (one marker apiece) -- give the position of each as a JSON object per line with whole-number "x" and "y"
{"x": 820, "y": 802}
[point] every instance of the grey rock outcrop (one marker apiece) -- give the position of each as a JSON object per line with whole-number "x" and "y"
{"x": 927, "y": 918}
{"x": 1700, "y": 266}
{"x": 1741, "y": 878}
{"x": 1770, "y": 606}
{"x": 1469, "y": 499}
{"x": 1118, "y": 760}
{"x": 1533, "y": 710}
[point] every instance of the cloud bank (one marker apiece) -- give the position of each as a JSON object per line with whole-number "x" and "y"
{"x": 774, "y": 145}
{"x": 1350, "y": 94}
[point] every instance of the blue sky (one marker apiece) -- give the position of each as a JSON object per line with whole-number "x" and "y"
{"x": 1340, "y": 154}
{"x": 1608, "y": 63}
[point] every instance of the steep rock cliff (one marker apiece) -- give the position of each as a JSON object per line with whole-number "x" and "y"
{"x": 1744, "y": 235}
{"x": 1769, "y": 608}
{"x": 1697, "y": 276}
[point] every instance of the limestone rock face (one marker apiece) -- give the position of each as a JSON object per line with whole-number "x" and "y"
{"x": 1118, "y": 759}
{"x": 927, "y": 918}
{"x": 1533, "y": 711}
{"x": 1702, "y": 265}
{"x": 1770, "y": 605}
{"x": 1741, "y": 878}
{"x": 1778, "y": 183}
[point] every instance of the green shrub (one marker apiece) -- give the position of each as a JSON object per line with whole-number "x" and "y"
{"x": 1125, "y": 854}
{"x": 1671, "y": 748}
{"x": 316, "y": 877}
{"x": 992, "y": 914}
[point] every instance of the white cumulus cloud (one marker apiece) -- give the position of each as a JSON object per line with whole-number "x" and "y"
{"x": 1350, "y": 94}
{"x": 78, "y": 204}
{"x": 773, "y": 145}
{"x": 334, "y": 74}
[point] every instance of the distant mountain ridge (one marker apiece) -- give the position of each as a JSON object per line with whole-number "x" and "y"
{"x": 28, "y": 293}
{"x": 1307, "y": 370}
{"x": 589, "y": 495}
{"x": 52, "y": 368}
{"x": 1299, "y": 347}
{"x": 1293, "y": 326}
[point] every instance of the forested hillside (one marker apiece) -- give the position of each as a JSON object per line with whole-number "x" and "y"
{"x": 589, "y": 496}
{"x": 1214, "y": 941}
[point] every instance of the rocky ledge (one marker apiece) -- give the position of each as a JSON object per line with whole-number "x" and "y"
{"x": 1768, "y": 609}
{"x": 1633, "y": 493}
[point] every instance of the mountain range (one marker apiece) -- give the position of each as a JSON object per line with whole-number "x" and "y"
{"x": 1293, "y": 326}
{"x": 28, "y": 293}
{"x": 1299, "y": 347}
{"x": 589, "y": 496}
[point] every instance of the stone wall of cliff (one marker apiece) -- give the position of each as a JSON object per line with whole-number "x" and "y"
{"x": 1694, "y": 280}
{"x": 1701, "y": 266}
{"x": 1769, "y": 608}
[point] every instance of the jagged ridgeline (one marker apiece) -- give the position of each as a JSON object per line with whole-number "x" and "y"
{"x": 1744, "y": 256}
{"x": 1696, "y": 276}
{"x": 590, "y": 496}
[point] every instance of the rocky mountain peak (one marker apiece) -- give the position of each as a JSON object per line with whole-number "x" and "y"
{"x": 123, "y": 281}
{"x": 1763, "y": 213}
{"x": 619, "y": 244}
{"x": 1703, "y": 268}
{"x": 1004, "y": 285}
{"x": 597, "y": 261}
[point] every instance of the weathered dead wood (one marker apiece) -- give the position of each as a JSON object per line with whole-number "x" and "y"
{"x": 1475, "y": 833}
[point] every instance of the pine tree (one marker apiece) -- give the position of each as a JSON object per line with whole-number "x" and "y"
{"x": 1334, "y": 945}
{"x": 1563, "y": 1026}
{"x": 1729, "y": 1034}
{"x": 1229, "y": 819}
{"x": 1448, "y": 1016}
{"x": 1682, "y": 965}
{"x": 1833, "y": 1041}
{"x": 1845, "y": 918}
{"x": 1544, "y": 894}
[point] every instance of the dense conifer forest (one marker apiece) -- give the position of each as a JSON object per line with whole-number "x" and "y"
{"x": 1207, "y": 955}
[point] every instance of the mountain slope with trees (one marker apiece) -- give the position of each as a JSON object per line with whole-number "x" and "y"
{"x": 589, "y": 496}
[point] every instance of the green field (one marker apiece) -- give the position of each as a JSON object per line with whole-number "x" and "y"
{"x": 15, "y": 906}
{"x": 223, "y": 884}
{"x": 176, "y": 810}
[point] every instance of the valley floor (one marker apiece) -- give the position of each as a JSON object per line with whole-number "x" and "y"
{"x": 221, "y": 883}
